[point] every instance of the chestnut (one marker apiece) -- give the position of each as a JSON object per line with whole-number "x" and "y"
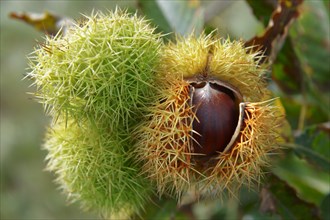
{"x": 216, "y": 106}
{"x": 213, "y": 124}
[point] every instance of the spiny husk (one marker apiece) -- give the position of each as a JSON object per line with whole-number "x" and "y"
{"x": 165, "y": 148}
{"x": 232, "y": 63}
{"x": 94, "y": 169}
{"x": 101, "y": 68}
{"x": 186, "y": 57}
{"x": 223, "y": 59}
{"x": 95, "y": 81}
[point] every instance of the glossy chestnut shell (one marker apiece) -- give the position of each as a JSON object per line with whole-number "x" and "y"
{"x": 216, "y": 106}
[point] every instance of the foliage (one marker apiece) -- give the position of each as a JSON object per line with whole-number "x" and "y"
{"x": 298, "y": 185}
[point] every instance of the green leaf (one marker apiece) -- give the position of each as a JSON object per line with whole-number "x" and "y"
{"x": 327, "y": 6}
{"x": 302, "y": 68}
{"x": 312, "y": 156}
{"x": 311, "y": 185}
{"x": 151, "y": 10}
{"x": 288, "y": 205}
{"x": 214, "y": 8}
{"x": 314, "y": 145}
{"x": 184, "y": 17}
{"x": 164, "y": 209}
{"x": 313, "y": 46}
{"x": 287, "y": 71}
{"x": 262, "y": 10}
{"x": 325, "y": 211}
{"x": 312, "y": 49}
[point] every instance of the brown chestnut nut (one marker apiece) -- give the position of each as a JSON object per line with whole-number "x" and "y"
{"x": 216, "y": 106}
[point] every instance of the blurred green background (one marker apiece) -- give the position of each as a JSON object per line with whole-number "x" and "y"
{"x": 301, "y": 77}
